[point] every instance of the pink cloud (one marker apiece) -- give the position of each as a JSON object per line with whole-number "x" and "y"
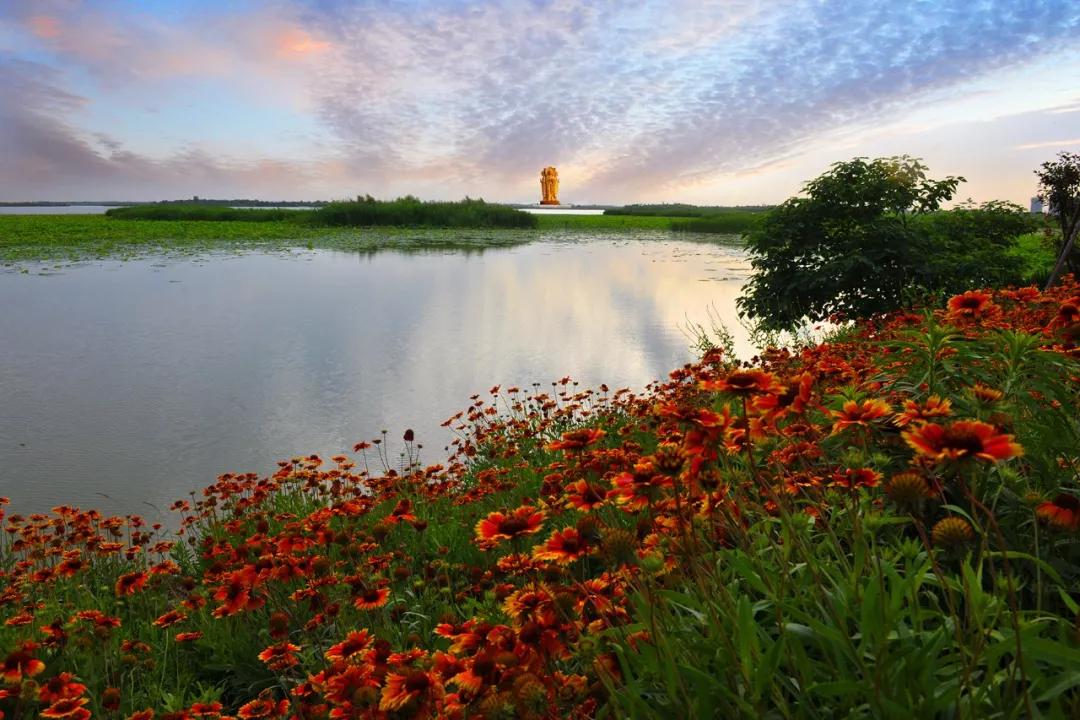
{"x": 45, "y": 27}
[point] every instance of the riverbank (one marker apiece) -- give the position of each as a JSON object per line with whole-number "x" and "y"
{"x": 845, "y": 530}
{"x": 66, "y": 238}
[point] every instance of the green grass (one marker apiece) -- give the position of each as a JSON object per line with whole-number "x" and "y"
{"x": 602, "y": 222}
{"x": 724, "y": 223}
{"x": 26, "y": 238}
{"x": 65, "y": 238}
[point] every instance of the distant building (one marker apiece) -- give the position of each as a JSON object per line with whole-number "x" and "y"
{"x": 1036, "y": 206}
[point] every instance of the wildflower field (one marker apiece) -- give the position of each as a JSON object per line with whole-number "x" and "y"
{"x": 886, "y": 524}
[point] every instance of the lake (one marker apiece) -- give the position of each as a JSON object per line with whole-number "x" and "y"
{"x": 126, "y": 385}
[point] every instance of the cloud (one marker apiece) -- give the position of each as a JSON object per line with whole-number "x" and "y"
{"x": 637, "y": 97}
{"x": 1048, "y": 143}
{"x": 44, "y": 155}
{"x": 631, "y": 99}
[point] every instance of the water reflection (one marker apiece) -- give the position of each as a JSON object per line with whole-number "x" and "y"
{"x": 130, "y": 383}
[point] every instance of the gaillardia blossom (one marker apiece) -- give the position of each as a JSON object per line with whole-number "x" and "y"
{"x": 746, "y": 382}
{"x": 1062, "y": 512}
{"x": 961, "y": 440}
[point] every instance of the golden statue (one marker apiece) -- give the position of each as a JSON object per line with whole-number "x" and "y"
{"x": 549, "y": 186}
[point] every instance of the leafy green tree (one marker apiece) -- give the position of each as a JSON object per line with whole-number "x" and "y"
{"x": 1059, "y": 187}
{"x": 970, "y": 246}
{"x": 848, "y": 247}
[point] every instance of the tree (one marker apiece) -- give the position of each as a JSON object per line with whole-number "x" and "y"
{"x": 849, "y": 247}
{"x": 1059, "y": 187}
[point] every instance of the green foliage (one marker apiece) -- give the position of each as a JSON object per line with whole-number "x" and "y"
{"x": 411, "y": 212}
{"x": 868, "y": 237}
{"x": 971, "y": 246}
{"x": 724, "y": 223}
{"x": 1059, "y": 186}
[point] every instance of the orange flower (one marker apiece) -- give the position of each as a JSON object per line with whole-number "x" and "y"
{"x": 986, "y": 394}
{"x": 564, "y": 546}
{"x": 60, "y": 687}
{"x": 746, "y": 382}
{"x": 21, "y": 664}
{"x": 933, "y": 407}
{"x": 130, "y": 583}
{"x": 281, "y": 656}
{"x": 580, "y": 495}
{"x": 170, "y": 618}
{"x": 851, "y": 479}
{"x": 1062, "y": 512}
{"x": 854, "y": 413}
{"x": 972, "y": 305}
{"x": 416, "y": 687}
{"x": 262, "y": 708}
{"x": 962, "y": 439}
{"x": 536, "y": 605}
{"x": 207, "y": 710}
{"x": 67, "y": 709}
{"x": 497, "y": 526}
{"x": 371, "y": 598}
{"x": 577, "y": 439}
{"x": 356, "y": 642}
{"x": 185, "y": 637}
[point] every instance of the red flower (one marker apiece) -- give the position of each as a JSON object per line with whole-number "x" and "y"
{"x": 354, "y": 643}
{"x": 130, "y": 583}
{"x": 371, "y": 598}
{"x": 22, "y": 664}
{"x": 962, "y": 439}
{"x": 564, "y": 547}
{"x": 417, "y": 687}
{"x": 185, "y": 637}
{"x": 170, "y": 618}
{"x": 1062, "y": 512}
{"x": 934, "y": 407}
{"x": 67, "y": 709}
{"x": 746, "y": 382}
{"x": 972, "y": 305}
{"x": 577, "y": 439}
{"x": 281, "y": 656}
{"x": 863, "y": 414}
{"x": 583, "y": 496}
{"x": 60, "y": 687}
{"x": 262, "y": 708}
{"x": 497, "y": 526}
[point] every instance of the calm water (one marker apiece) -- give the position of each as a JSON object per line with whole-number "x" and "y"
{"x": 128, "y": 384}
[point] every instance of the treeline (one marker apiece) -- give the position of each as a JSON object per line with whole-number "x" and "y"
{"x": 412, "y": 212}
{"x": 404, "y": 212}
{"x": 684, "y": 210}
{"x": 189, "y": 211}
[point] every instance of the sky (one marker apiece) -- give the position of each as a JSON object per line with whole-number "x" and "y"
{"x": 711, "y": 102}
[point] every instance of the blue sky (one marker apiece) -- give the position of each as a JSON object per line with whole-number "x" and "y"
{"x": 687, "y": 100}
